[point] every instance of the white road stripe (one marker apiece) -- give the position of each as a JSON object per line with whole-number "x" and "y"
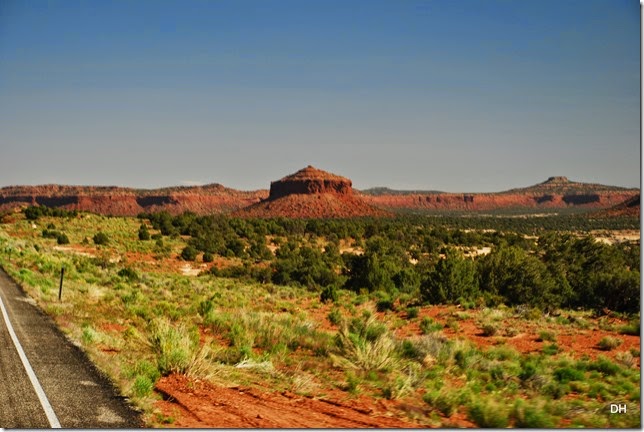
{"x": 49, "y": 411}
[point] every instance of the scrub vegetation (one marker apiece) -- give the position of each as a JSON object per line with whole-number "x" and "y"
{"x": 459, "y": 325}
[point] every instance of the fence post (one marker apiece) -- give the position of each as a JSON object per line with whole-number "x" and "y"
{"x": 60, "y": 290}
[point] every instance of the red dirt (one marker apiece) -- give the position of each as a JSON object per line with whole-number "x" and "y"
{"x": 199, "y": 404}
{"x": 574, "y": 341}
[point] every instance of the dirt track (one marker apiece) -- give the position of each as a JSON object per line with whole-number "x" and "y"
{"x": 198, "y": 404}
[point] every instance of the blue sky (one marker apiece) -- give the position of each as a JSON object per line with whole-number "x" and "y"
{"x": 454, "y": 95}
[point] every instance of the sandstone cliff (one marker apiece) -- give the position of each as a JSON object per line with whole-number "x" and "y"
{"x": 311, "y": 193}
{"x": 118, "y": 201}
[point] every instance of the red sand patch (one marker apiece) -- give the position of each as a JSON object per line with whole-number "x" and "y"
{"x": 199, "y": 404}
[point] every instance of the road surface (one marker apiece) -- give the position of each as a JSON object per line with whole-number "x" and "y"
{"x": 46, "y": 381}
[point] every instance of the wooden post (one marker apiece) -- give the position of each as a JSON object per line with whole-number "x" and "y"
{"x": 60, "y": 290}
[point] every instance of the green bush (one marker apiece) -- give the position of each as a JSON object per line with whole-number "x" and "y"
{"x": 62, "y": 239}
{"x": 453, "y": 279}
{"x": 128, "y": 273}
{"x": 609, "y": 343}
{"x": 47, "y": 233}
{"x": 490, "y": 329}
{"x": 632, "y": 328}
{"x": 488, "y": 415}
{"x": 144, "y": 234}
{"x": 100, "y": 238}
{"x": 189, "y": 253}
{"x": 550, "y": 349}
{"x": 545, "y": 335}
{"x": 173, "y": 345}
{"x": 566, "y": 374}
{"x": 208, "y": 257}
{"x": 446, "y": 401}
{"x": 142, "y": 386}
{"x": 412, "y": 313}
{"x": 335, "y": 316}
{"x": 519, "y": 278}
{"x": 329, "y": 294}
{"x": 604, "y": 366}
{"x": 530, "y": 416}
{"x": 428, "y": 325}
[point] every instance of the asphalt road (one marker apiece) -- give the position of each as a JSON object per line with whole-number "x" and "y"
{"x": 74, "y": 394}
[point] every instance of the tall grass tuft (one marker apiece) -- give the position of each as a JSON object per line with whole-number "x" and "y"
{"x": 173, "y": 345}
{"x": 365, "y": 344}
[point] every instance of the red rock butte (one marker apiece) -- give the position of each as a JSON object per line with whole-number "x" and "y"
{"x": 310, "y": 180}
{"x": 312, "y": 193}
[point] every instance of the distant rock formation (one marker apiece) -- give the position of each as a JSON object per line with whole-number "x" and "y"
{"x": 628, "y": 208}
{"x": 312, "y": 193}
{"x": 310, "y": 180}
{"x": 555, "y": 193}
{"x": 557, "y": 180}
{"x": 120, "y": 201}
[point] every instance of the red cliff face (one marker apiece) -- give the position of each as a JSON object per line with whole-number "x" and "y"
{"x": 554, "y": 193}
{"x": 310, "y": 181}
{"x": 487, "y": 202}
{"x": 312, "y": 193}
{"x": 119, "y": 201}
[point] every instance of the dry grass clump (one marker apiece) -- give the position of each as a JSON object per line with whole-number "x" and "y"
{"x": 365, "y": 343}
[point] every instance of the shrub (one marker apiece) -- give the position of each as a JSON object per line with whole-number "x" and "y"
{"x": 142, "y": 386}
{"x": 530, "y": 416}
{"x": 454, "y": 278}
{"x": 144, "y": 234}
{"x": 173, "y": 345}
{"x": 608, "y": 343}
{"x": 632, "y": 328}
{"x": 89, "y": 334}
{"x": 62, "y": 239}
{"x": 604, "y": 366}
{"x": 528, "y": 371}
{"x": 385, "y": 304}
{"x": 519, "y": 278}
{"x": 566, "y": 374}
{"x": 445, "y": 401}
{"x": 189, "y": 253}
{"x": 208, "y": 257}
{"x": 550, "y": 349}
{"x": 366, "y": 344}
{"x": 128, "y": 273}
{"x": 428, "y": 325}
{"x": 555, "y": 390}
{"x": 412, "y": 312}
{"x": 335, "y": 316}
{"x": 488, "y": 415}
{"x": 147, "y": 369}
{"x": 329, "y": 294}
{"x": 47, "y": 233}
{"x": 625, "y": 358}
{"x": 490, "y": 329}
{"x": 545, "y": 335}
{"x": 100, "y": 238}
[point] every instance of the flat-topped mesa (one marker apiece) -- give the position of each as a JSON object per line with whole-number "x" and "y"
{"x": 557, "y": 180}
{"x": 309, "y": 181}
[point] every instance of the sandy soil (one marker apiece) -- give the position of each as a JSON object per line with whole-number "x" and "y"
{"x": 199, "y": 404}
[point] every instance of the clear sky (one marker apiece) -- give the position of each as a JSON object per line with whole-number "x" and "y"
{"x": 453, "y": 95}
